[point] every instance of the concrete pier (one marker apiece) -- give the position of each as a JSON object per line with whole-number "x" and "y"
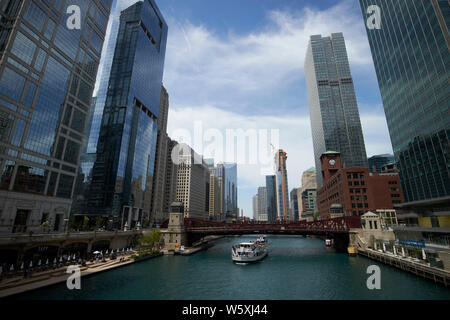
{"x": 407, "y": 264}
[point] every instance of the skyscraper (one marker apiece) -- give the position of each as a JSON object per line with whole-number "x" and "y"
{"x": 230, "y": 190}
{"x": 282, "y": 186}
{"x": 271, "y": 194}
{"x": 170, "y": 183}
{"x": 335, "y": 122}
{"x": 123, "y": 171}
{"x": 193, "y": 184}
{"x": 411, "y": 56}
{"x": 262, "y": 204}
{"x": 157, "y": 205}
{"x": 255, "y": 207}
{"x": 47, "y": 75}
{"x": 294, "y": 204}
{"x": 378, "y": 161}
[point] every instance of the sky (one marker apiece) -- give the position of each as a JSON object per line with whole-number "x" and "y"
{"x": 238, "y": 64}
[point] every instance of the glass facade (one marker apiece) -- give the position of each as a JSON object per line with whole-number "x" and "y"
{"x": 271, "y": 198}
{"x": 411, "y": 56}
{"x": 294, "y": 204}
{"x": 334, "y": 114}
{"x": 230, "y": 192}
{"x": 123, "y": 164}
{"x": 47, "y": 76}
{"x": 379, "y": 161}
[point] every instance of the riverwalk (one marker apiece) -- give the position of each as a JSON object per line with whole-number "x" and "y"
{"x": 18, "y": 284}
{"x": 409, "y": 264}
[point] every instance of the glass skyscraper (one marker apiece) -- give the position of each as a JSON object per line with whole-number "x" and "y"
{"x": 335, "y": 122}
{"x": 47, "y": 75}
{"x": 122, "y": 173}
{"x": 410, "y": 52}
{"x": 378, "y": 161}
{"x": 230, "y": 190}
{"x": 271, "y": 198}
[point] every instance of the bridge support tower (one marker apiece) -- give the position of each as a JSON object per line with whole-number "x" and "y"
{"x": 175, "y": 234}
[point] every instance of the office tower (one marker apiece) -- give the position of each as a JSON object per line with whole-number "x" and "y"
{"x": 157, "y": 204}
{"x": 230, "y": 190}
{"x": 209, "y": 163}
{"x": 170, "y": 184}
{"x": 309, "y": 181}
{"x": 47, "y": 75}
{"x": 262, "y": 204}
{"x": 411, "y": 57}
{"x": 377, "y": 162}
{"x": 255, "y": 207}
{"x": 192, "y": 184}
{"x": 214, "y": 197}
{"x": 335, "y": 122}
{"x": 282, "y": 186}
{"x": 294, "y": 204}
{"x": 123, "y": 171}
{"x": 308, "y": 202}
{"x": 272, "y": 212}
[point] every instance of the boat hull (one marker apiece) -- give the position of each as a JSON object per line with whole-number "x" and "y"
{"x": 246, "y": 259}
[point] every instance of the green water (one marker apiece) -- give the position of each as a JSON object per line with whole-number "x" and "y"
{"x": 296, "y": 268}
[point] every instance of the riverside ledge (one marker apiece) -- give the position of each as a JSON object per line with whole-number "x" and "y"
{"x": 48, "y": 278}
{"x": 420, "y": 269}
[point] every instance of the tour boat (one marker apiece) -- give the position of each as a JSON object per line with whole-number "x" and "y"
{"x": 248, "y": 251}
{"x": 328, "y": 242}
{"x": 261, "y": 240}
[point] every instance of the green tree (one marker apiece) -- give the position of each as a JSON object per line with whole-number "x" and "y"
{"x": 85, "y": 222}
{"x": 316, "y": 215}
{"x": 45, "y": 225}
{"x": 99, "y": 222}
{"x": 155, "y": 236}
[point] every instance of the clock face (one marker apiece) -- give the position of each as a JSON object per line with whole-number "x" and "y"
{"x": 332, "y": 162}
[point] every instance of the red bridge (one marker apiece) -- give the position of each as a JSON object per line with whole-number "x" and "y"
{"x": 340, "y": 225}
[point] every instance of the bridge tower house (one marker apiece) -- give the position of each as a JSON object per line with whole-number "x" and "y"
{"x": 175, "y": 234}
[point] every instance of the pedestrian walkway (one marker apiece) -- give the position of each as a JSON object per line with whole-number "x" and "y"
{"x": 20, "y": 284}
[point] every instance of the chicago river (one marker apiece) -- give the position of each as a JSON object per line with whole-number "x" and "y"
{"x": 296, "y": 268}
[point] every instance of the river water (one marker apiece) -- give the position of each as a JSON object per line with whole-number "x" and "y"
{"x": 296, "y": 268}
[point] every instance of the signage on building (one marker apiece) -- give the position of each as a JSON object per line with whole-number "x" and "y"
{"x": 413, "y": 243}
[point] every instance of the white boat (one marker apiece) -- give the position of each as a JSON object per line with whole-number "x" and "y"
{"x": 328, "y": 242}
{"x": 262, "y": 240}
{"x": 248, "y": 252}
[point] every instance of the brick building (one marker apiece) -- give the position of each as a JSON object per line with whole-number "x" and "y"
{"x": 355, "y": 189}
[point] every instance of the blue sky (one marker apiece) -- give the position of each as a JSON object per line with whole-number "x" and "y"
{"x": 239, "y": 64}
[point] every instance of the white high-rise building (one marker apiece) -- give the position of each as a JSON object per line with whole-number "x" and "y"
{"x": 192, "y": 183}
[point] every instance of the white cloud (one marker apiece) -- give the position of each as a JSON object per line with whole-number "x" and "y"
{"x": 295, "y": 139}
{"x": 207, "y": 67}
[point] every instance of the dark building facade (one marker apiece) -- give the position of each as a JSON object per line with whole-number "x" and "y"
{"x": 123, "y": 170}
{"x": 354, "y": 190}
{"x": 272, "y": 212}
{"x": 411, "y": 56}
{"x": 334, "y": 114}
{"x": 294, "y": 205}
{"x": 377, "y": 162}
{"x": 47, "y": 76}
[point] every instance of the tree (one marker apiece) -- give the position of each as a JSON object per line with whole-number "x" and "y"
{"x": 85, "y": 222}
{"x": 99, "y": 222}
{"x": 45, "y": 225}
{"x": 316, "y": 215}
{"x": 155, "y": 236}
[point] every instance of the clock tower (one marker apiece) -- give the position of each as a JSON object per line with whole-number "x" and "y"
{"x": 330, "y": 162}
